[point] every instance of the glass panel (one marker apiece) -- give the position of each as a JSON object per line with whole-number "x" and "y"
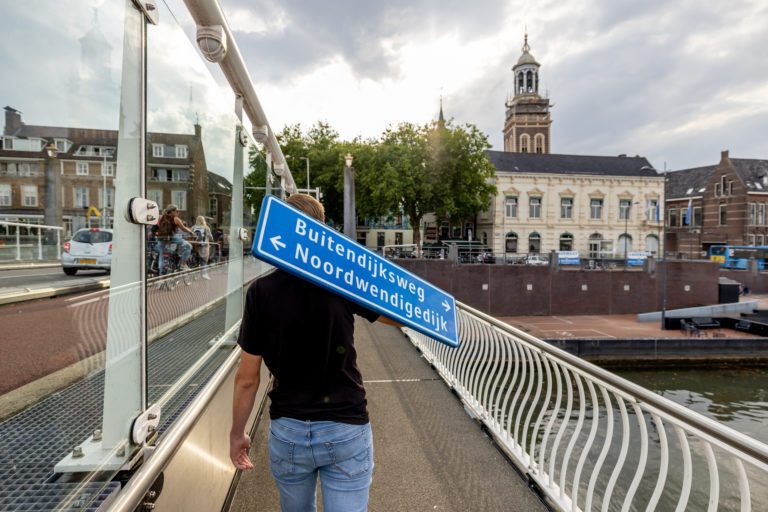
{"x": 194, "y": 255}
{"x": 64, "y": 65}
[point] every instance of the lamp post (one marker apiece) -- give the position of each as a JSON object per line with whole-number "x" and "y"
{"x": 349, "y": 197}
{"x": 626, "y": 236}
{"x": 104, "y": 189}
{"x": 52, "y": 215}
{"x": 307, "y": 159}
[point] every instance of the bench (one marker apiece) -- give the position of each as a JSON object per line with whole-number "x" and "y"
{"x": 705, "y": 321}
{"x": 743, "y": 325}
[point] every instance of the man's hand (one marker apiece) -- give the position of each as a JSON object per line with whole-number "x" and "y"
{"x": 239, "y": 444}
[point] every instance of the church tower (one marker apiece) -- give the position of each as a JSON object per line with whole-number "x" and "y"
{"x": 526, "y": 129}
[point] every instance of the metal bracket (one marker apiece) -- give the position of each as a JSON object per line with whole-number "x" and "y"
{"x": 152, "y": 494}
{"x": 145, "y": 424}
{"x": 242, "y": 137}
{"x": 149, "y": 8}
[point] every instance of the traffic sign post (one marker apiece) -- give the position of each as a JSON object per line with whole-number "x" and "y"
{"x": 299, "y": 244}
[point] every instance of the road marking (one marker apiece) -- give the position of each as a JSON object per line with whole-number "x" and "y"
{"x": 85, "y": 295}
{"x": 95, "y": 299}
{"x": 35, "y": 274}
{"x": 562, "y": 319}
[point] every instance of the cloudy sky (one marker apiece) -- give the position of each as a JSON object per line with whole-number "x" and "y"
{"x": 676, "y": 82}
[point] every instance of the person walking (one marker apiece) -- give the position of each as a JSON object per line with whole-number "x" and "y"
{"x": 318, "y": 411}
{"x": 204, "y": 239}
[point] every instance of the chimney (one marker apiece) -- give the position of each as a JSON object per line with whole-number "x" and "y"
{"x": 198, "y": 131}
{"x": 12, "y": 121}
{"x": 724, "y": 155}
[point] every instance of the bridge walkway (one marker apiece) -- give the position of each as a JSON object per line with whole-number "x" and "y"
{"x": 429, "y": 454}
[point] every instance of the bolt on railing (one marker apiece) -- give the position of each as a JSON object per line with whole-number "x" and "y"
{"x": 587, "y": 438}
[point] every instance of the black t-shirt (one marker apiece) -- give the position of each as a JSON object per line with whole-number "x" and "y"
{"x": 305, "y": 335}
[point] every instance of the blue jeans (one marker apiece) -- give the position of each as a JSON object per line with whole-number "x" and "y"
{"x": 340, "y": 453}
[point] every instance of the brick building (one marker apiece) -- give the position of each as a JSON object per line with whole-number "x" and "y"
{"x": 83, "y": 169}
{"x": 717, "y": 204}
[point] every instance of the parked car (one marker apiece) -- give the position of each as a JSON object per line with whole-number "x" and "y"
{"x": 535, "y": 259}
{"x": 89, "y": 249}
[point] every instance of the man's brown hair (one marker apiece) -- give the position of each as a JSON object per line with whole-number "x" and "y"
{"x": 308, "y": 205}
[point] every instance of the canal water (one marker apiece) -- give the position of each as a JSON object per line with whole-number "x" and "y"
{"x": 735, "y": 397}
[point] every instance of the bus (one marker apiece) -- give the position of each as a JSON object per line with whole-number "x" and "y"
{"x": 738, "y": 256}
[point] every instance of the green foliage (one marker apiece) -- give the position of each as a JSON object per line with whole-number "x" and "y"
{"x": 411, "y": 168}
{"x": 256, "y": 178}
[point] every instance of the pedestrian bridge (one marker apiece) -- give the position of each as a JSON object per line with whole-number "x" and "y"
{"x": 119, "y": 398}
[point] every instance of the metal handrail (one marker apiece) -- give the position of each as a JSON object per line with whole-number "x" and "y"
{"x": 538, "y": 402}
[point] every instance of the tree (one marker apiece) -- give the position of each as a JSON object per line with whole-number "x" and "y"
{"x": 255, "y": 181}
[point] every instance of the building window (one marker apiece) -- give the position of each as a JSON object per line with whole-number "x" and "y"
{"x": 156, "y": 195}
{"x": 82, "y": 169}
{"x": 595, "y": 243}
{"x": 179, "y": 175}
{"x": 108, "y": 169}
{"x": 652, "y": 210}
{"x": 761, "y": 214}
{"x": 62, "y": 145}
{"x": 525, "y": 143}
{"x": 158, "y": 149}
{"x": 179, "y": 198}
{"x": 398, "y": 238}
{"x": 750, "y": 239}
{"x": 29, "y": 195}
{"x": 625, "y": 244}
{"x": 566, "y": 207}
{"x": 625, "y": 206}
{"x": 81, "y": 197}
{"x": 697, "y": 220}
{"x": 652, "y": 244}
{"x": 538, "y": 142}
{"x": 380, "y": 239}
{"x": 213, "y": 206}
{"x": 5, "y": 194}
{"x": 510, "y": 242}
{"x": 534, "y": 210}
{"x": 510, "y": 207}
{"x": 566, "y": 242}
{"x": 730, "y": 187}
{"x": 181, "y": 151}
{"x": 759, "y": 239}
{"x": 752, "y": 214}
{"x": 109, "y": 197}
{"x": 672, "y": 217}
{"x": 534, "y": 243}
{"x": 723, "y": 217}
{"x": 596, "y": 209}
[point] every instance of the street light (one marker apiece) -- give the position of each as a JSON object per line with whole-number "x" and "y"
{"x": 107, "y": 153}
{"x": 307, "y": 159}
{"x": 349, "y": 197}
{"x": 626, "y": 222}
{"x": 52, "y": 214}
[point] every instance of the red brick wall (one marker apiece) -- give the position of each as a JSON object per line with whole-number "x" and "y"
{"x": 559, "y": 292}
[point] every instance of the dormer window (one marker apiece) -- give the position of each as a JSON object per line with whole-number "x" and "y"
{"x": 62, "y": 145}
{"x": 181, "y": 151}
{"x": 158, "y": 149}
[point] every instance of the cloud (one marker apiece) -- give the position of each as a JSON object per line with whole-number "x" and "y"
{"x": 649, "y": 78}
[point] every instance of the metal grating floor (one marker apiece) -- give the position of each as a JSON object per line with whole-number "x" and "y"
{"x": 33, "y": 441}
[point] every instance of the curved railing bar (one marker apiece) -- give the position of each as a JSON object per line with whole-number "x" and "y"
{"x": 748, "y": 446}
{"x": 663, "y": 463}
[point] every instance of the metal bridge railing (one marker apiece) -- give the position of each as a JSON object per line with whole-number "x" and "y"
{"x": 588, "y": 439}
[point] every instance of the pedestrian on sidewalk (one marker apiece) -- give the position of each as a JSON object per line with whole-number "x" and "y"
{"x": 319, "y": 419}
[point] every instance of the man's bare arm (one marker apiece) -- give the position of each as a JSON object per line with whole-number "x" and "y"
{"x": 386, "y": 320}
{"x": 247, "y": 382}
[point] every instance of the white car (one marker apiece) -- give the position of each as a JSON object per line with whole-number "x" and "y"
{"x": 89, "y": 249}
{"x": 535, "y": 259}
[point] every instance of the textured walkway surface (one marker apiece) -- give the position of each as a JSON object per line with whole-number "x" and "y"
{"x": 429, "y": 454}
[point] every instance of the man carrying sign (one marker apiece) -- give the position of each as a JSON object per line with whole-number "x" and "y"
{"x": 319, "y": 420}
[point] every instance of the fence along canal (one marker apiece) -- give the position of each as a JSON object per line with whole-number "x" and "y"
{"x": 588, "y": 439}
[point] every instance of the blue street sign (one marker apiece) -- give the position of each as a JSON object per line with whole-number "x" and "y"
{"x": 299, "y": 244}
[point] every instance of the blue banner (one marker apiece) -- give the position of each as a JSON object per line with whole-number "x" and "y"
{"x": 299, "y": 244}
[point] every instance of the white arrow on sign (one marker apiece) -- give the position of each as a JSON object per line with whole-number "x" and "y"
{"x": 277, "y": 243}
{"x": 446, "y": 306}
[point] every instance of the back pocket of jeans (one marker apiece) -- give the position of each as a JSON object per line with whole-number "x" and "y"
{"x": 353, "y": 457}
{"x": 280, "y": 455}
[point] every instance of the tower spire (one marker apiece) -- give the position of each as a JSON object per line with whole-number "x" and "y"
{"x": 441, "y": 118}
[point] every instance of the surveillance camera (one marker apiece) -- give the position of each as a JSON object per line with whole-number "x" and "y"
{"x": 261, "y": 133}
{"x": 212, "y": 42}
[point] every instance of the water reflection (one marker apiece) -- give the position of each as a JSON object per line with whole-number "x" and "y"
{"x": 735, "y": 397}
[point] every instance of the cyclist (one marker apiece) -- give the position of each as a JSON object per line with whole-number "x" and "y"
{"x": 171, "y": 228}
